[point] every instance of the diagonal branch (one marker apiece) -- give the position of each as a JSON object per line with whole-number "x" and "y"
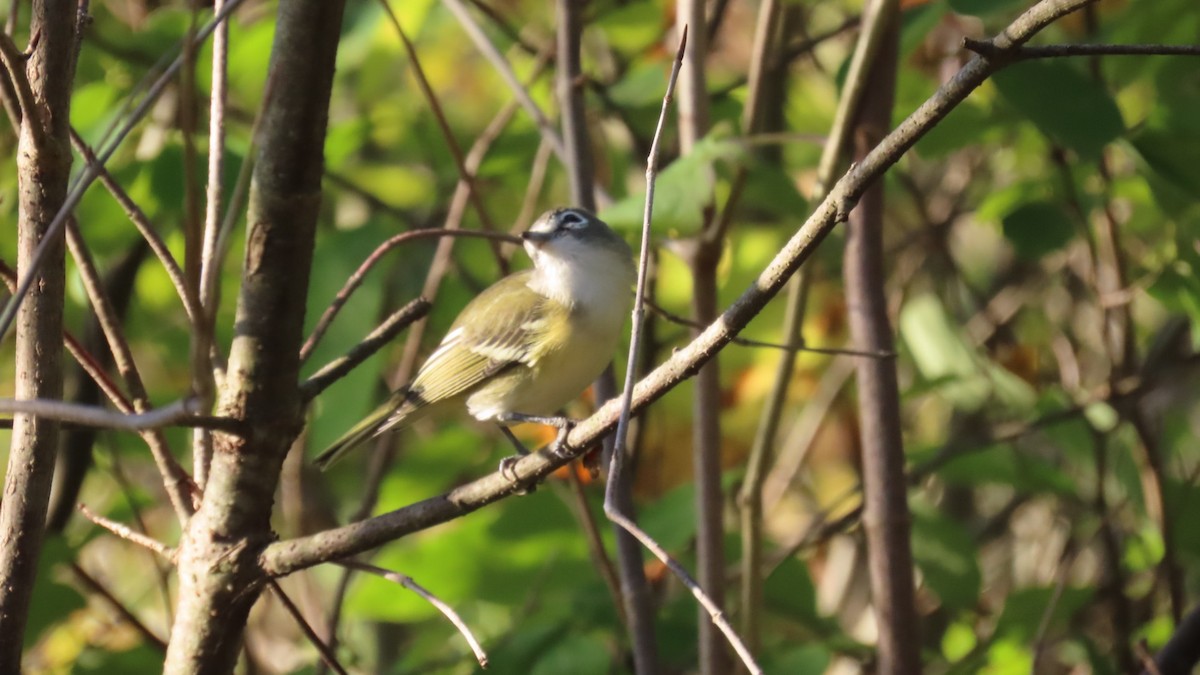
{"x": 360, "y": 274}
{"x": 287, "y": 556}
{"x": 89, "y": 174}
{"x": 446, "y": 610}
{"x": 383, "y": 334}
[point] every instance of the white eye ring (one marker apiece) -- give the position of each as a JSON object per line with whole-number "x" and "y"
{"x": 571, "y": 219}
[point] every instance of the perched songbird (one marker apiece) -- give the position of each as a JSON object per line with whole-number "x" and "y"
{"x": 529, "y": 343}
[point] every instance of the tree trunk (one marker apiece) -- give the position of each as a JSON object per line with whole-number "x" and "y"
{"x": 44, "y": 167}
{"x": 219, "y": 574}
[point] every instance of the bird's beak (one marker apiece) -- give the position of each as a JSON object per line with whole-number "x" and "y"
{"x": 536, "y": 238}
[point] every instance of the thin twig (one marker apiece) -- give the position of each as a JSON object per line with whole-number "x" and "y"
{"x": 446, "y": 610}
{"x": 595, "y": 544}
{"x": 1060, "y": 585}
{"x": 216, "y": 151}
{"x": 381, "y": 460}
{"x": 128, "y": 534}
{"x": 185, "y": 122}
{"x": 1026, "y": 52}
{"x": 383, "y": 333}
{"x": 356, "y": 279}
{"x": 493, "y": 55}
{"x": 630, "y": 591}
{"x": 92, "y": 416}
{"x": 324, "y": 650}
{"x": 626, "y": 401}
{"x": 1149, "y": 665}
{"x": 798, "y": 346}
{"x": 174, "y": 478}
{"x": 119, "y": 607}
{"x": 14, "y": 63}
{"x": 89, "y": 174}
{"x": 465, "y": 174}
{"x": 283, "y": 557}
{"x": 203, "y": 342}
{"x": 86, "y": 360}
{"x": 139, "y": 219}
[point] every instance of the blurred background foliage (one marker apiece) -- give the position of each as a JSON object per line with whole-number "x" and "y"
{"x": 1037, "y": 547}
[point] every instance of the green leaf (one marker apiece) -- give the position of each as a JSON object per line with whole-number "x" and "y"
{"x": 682, "y": 191}
{"x": 1070, "y": 107}
{"x": 574, "y": 654}
{"x": 958, "y": 641}
{"x": 940, "y": 352}
{"x": 671, "y": 519}
{"x": 1025, "y": 610}
{"x": 943, "y": 356}
{"x": 1007, "y": 465}
{"x": 1009, "y": 657}
{"x": 790, "y": 591}
{"x": 945, "y": 552}
{"x": 93, "y": 107}
{"x": 984, "y": 7}
{"x": 1173, "y": 156}
{"x": 1037, "y": 228}
{"x": 805, "y": 660}
{"x": 52, "y": 601}
{"x": 964, "y": 126}
{"x": 632, "y": 27}
{"x": 140, "y": 659}
{"x": 642, "y": 86}
{"x": 770, "y": 190}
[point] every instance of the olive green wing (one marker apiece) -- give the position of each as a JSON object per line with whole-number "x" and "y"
{"x": 496, "y": 331}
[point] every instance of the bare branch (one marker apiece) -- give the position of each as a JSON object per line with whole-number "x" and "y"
{"x": 91, "y": 416}
{"x": 173, "y": 475}
{"x": 465, "y": 174}
{"x": 14, "y": 64}
{"x": 139, "y": 219}
{"x": 43, "y": 165}
{"x": 1024, "y": 53}
{"x": 356, "y": 279}
{"x": 501, "y": 65}
{"x": 128, "y": 534}
{"x": 446, "y": 610}
{"x": 798, "y": 346}
{"x": 383, "y": 333}
{"x": 89, "y": 173}
{"x": 127, "y": 614}
{"x": 616, "y": 462}
{"x": 290, "y": 555}
{"x": 326, "y": 652}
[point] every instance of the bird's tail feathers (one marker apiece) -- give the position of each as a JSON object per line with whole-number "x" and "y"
{"x": 390, "y": 415}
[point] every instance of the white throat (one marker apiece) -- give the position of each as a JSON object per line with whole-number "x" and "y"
{"x": 595, "y": 282}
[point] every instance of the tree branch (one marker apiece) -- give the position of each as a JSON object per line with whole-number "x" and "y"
{"x": 383, "y": 334}
{"x": 1024, "y": 53}
{"x": 43, "y": 170}
{"x": 219, "y": 579}
{"x": 288, "y": 556}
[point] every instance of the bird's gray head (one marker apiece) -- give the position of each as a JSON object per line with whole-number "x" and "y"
{"x": 571, "y": 234}
{"x": 578, "y": 259}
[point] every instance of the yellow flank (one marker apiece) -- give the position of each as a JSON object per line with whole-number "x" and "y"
{"x": 568, "y": 356}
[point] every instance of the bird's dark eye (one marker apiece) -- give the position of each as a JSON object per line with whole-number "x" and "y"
{"x": 571, "y": 220}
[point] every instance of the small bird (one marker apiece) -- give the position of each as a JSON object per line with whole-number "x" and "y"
{"x": 528, "y": 344}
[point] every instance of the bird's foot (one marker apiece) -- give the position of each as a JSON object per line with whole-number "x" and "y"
{"x": 560, "y": 448}
{"x": 508, "y": 464}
